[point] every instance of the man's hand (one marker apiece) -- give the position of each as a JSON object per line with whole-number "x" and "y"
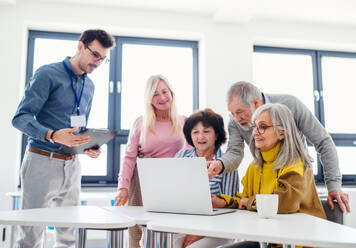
{"x": 243, "y": 203}
{"x": 214, "y": 168}
{"x": 66, "y": 137}
{"x": 217, "y": 202}
{"x": 190, "y": 239}
{"x": 342, "y": 199}
{"x": 122, "y": 197}
{"x": 93, "y": 153}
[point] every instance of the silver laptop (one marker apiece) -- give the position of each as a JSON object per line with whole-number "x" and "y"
{"x": 176, "y": 185}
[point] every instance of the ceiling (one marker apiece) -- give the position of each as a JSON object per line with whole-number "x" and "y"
{"x": 238, "y": 11}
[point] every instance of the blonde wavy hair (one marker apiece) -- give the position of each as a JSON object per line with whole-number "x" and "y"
{"x": 149, "y": 116}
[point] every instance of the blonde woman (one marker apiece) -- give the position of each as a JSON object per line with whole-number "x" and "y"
{"x": 158, "y": 134}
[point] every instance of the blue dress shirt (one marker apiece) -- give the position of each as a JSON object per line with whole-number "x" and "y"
{"x": 49, "y": 102}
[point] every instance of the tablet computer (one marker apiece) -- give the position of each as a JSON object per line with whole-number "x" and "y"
{"x": 98, "y": 137}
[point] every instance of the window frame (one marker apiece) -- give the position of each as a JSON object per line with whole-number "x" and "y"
{"x": 114, "y": 108}
{"x": 340, "y": 139}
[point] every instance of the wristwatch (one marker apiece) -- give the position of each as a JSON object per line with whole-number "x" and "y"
{"x": 51, "y": 137}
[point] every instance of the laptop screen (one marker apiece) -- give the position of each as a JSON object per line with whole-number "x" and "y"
{"x": 176, "y": 185}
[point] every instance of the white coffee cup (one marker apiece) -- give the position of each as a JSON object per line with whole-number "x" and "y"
{"x": 267, "y": 205}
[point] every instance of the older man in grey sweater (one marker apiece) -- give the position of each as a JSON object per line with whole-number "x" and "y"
{"x": 243, "y": 99}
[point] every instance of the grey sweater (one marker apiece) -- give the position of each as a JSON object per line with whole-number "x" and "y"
{"x": 307, "y": 124}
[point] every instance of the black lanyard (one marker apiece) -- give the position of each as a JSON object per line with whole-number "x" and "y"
{"x": 75, "y": 93}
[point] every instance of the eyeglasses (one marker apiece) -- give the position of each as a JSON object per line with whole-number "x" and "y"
{"x": 97, "y": 56}
{"x": 240, "y": 113}
{"x": 261, "y": 129}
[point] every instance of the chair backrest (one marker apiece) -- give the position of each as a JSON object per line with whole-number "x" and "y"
{"x": 335, "y": 215}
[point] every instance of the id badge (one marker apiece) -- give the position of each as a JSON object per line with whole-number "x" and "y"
{"x": 78, "y": 121}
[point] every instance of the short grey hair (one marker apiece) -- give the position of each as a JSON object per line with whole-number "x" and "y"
{"x": 292, "y": 146}
{"x": 246, "y": 93}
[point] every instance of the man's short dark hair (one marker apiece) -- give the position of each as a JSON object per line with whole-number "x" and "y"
{"x": 209, "y": 119}
{"x": 105, "y": 39}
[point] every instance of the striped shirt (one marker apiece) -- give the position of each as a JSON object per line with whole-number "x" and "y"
{"x": 227, "y": 184}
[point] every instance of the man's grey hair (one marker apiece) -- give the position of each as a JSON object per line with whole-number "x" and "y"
{"x": 245, "y": 92}
{"x": 292, "y": 146}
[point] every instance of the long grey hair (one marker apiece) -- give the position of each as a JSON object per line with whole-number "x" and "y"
{"x": 292, "y": 146}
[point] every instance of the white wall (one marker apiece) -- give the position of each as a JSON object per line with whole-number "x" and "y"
{"x": 225, "y": 52}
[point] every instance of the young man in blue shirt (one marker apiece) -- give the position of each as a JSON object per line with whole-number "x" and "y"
{"x": 56, "y": 103}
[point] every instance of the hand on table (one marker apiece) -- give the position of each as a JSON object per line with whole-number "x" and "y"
{"x": 122, "y": 197}
{"x": 217, "y": 202}
{"x": 243, "y": 203}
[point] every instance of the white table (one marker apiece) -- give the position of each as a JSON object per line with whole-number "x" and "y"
{"x": 294, "y": 229}
{"x": 81, "y": 217}
{"x": 138, "y": 213}
{"x": 84, "y": 197}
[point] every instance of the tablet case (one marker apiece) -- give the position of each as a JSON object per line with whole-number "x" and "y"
{"x": 98, "y": 137}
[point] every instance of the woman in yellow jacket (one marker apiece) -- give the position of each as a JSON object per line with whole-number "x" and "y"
{"x": 281, "y": 166}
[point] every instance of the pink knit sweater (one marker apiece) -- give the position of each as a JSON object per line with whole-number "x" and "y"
{"x": 163, "y": 143}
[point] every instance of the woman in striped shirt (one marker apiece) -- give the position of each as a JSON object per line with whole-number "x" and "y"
{"x": 204, "y": 131}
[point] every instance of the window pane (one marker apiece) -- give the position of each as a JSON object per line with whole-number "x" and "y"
{"x": 100, "y": 106}
{"x": 50, "y": 51}
{"x": 346, "y": 159}
{"x": 142, "y": 61}
{"x": 122, "y": 153}
{"x": 98, "y": 119}
{"x": 285, "y": 74}
{"x": 339, "y": 88}
{"x": 55, "y": 50}
{"x": 94, "y": 167}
